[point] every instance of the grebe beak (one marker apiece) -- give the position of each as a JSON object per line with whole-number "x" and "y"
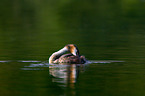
{"x": 75, "y": 52}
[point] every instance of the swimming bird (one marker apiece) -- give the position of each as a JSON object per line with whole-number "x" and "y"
{"x": 73, "y": 57}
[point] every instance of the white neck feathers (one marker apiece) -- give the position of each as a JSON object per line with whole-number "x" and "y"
{"x": 56, "y": 54}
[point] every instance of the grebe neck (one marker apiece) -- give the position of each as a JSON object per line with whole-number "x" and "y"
{"x": 57, "y": 54}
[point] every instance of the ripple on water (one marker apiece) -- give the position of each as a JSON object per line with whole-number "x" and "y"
{"x": 4, "y": 61}
{"x": 28, "y": 61}
{"x": 103, "y": 61}
{"x": 41, "y": 64}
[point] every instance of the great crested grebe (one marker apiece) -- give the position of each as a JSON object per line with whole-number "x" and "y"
{"x": 73, "y": 57}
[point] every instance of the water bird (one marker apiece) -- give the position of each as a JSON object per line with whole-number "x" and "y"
{"x": 73, "y": 57}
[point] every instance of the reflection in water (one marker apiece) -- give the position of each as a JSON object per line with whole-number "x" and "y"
{"x": 62, "y": 76}
{"x": 66, "y": 75}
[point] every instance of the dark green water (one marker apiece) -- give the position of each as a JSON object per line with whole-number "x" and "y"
{"x": 111, "y": 33}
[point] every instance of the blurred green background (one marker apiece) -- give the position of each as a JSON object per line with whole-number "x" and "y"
{"x": 102, "y": 29}
{"x": 98, "y": 27}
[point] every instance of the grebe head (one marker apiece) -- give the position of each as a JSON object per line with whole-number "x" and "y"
{"x": 73, "y": 49}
